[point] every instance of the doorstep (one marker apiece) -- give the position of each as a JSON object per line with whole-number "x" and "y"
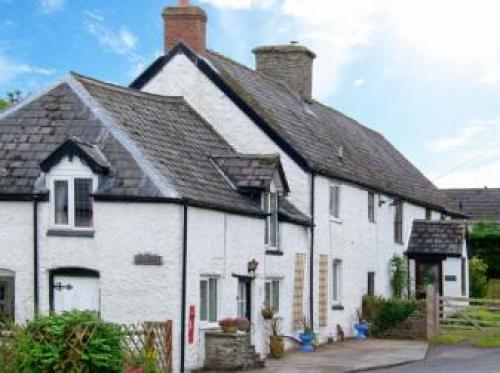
{"x": 350, "y": 356}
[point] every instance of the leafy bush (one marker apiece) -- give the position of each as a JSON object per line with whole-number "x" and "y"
{"x": 484, "y": 240}
{"x": 477, "y": 278}
{"x": 399, "y": 274}
{"x": 73, "y": 341}
{"x": 384, "y": 314}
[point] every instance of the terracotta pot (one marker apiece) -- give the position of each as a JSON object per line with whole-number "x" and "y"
{"x": 229, "y": 329}
{"x": 276, "y": 347}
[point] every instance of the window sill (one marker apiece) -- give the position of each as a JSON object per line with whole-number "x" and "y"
{"x": 57, "y": 232}
{"x": 274, "y": 252}
{"x": 337, "y": 307}
{"x": 335, "y": 220}
{"x": 204, "y": 325}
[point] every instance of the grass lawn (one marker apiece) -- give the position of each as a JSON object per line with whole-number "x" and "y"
{"x": 487, "y": 336}
{"x": 494, "y": 289}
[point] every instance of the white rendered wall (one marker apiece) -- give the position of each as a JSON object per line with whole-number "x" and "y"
{"x": 16, "y": 253}
{"x": 181, "y": 78}
{"x": 362, "y": 246}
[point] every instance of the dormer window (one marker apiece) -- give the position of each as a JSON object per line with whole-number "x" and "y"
{"x": 270, "y": 202}
{"x": 72, "y": 202}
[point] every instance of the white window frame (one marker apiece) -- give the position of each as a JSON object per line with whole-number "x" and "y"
{"x": 269, "y": 282}
{"x": 266, "y": 202}
{"x": 336, "y": 214}
{"x": 71, "y": 201}
{"x": 207, "y": 322}
{"x": 401, "y": 222}
{"x": 337, "y": 270}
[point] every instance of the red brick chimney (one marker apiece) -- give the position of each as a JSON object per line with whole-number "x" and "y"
{"x": 186, "y": 23}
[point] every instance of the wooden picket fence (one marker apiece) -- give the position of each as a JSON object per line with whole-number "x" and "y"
{"x": 150, "y": 339}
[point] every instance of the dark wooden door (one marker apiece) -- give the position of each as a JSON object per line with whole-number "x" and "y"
{"x": 428, "y": 272}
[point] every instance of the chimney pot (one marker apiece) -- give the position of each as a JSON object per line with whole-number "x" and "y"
{"x": 185, "y": 23}
{"x": 290, "y": 64}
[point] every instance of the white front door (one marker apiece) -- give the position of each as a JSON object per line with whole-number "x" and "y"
{"x": 76, "y": 293}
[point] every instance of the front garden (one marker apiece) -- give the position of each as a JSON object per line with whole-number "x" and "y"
{"x": 82, "y": 342}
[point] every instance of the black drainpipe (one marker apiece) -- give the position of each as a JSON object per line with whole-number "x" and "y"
{"x": 311, "y": 258}
{"x": 184, "y": 278}
{"x": 35, "y": 256}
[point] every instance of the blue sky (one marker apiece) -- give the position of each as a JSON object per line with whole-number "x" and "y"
{"x": 425, "y": 73}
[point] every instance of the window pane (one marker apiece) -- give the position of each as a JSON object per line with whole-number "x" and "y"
{"x": 334, "y": 201}
{"x": 267, "y": 296}
{"x": 61, "y": 202}
{"x": 463, "y": 278}
{"x": 265, "y": 202}
{"x": 371, "y": 283}
{"x": 203, "y": 300}
{"x": 371, "y": 206}
{"x": 83, "y": 202}
{"x": 335, "y": 294}
{"x": 212, "y": 307}
{"x": 276, "y": 295}
{"x": 273, "y": 234}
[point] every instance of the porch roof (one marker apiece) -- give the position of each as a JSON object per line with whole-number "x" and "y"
{"x": 438, "y": 237}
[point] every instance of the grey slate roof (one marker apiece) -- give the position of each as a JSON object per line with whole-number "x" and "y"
{"x": 156, "y": 146}
{"x": 437, "y": 237}
{"x": 250, "y": 171}
{"x": 317, "y": 131}
{"x": 478, "y": 203}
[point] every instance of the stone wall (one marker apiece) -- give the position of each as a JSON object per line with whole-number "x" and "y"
{"x": 230, "y": 351}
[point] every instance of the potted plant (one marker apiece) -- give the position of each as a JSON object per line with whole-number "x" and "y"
{"x": 276, "y": 343}
{"x": 267, "y": 313}
{"x": 228, "y": 325}
{"x": 306, "y": 337}
{"x": 243, "y": 324}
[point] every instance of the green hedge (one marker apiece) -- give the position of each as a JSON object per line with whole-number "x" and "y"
{"x": 384, "y": 314}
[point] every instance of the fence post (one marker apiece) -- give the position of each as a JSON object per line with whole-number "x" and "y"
{"x": 432, "y": 309}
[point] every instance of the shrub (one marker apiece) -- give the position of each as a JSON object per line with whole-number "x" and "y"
{"x": 477, "y": 278}
{"x": 384, "y": 314}
{"x": 398, "y": 275}
{"x": 72, "y": 341}
{"x": 484, "y": 237}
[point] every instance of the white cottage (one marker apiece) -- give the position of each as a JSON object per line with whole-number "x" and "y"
{"x": 151, "y": 202}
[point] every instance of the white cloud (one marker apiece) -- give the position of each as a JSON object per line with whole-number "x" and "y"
{"x": 241, "y": 4}
{"x": 94, "y": 14}
{"x": 10, "y": 69}
{"x": 122, "y": 41}
{"x": 469, "y": 158}
{"x": 49, "y": 6}
{"x": 358, "y": 83}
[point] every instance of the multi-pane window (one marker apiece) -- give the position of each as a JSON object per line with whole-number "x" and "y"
{"x": 335, "y": 201}
{"x": 371, "y": 284}
{"x": 73, "y": 202}
{"x": 272, "y": 295}
{"x": 371, "y": 207}
{"x": 398, "y": 222}
{"x": 270, "y": 201}
{"x": 337, "y": 281}
{"x": 208, "y": 299}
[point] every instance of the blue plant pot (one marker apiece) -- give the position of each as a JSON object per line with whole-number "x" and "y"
{"x": 306, "y": 343}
